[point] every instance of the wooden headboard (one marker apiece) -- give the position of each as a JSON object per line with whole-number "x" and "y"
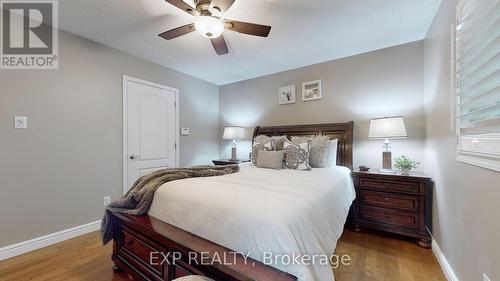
{"x": 341, "y": 131}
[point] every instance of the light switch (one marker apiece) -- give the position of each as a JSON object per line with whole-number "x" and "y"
{"x": 20, "y": 122}
{"x": 184, "y": 131}
{"x": 106, "y": 200}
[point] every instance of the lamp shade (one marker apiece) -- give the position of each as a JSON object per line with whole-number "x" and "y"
{"x": 233, "y": 133}
{"x": 387, "y": 127}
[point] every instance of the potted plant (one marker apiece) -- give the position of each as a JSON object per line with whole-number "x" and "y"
{"x": 405, "y": 165}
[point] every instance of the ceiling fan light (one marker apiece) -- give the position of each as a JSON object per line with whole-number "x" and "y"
{"x": 208, "y": 26}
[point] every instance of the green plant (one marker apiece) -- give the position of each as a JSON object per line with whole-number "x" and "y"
{"x": 404, "y": 162}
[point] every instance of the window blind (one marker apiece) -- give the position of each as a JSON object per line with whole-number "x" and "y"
{"x": 477, "y": 70}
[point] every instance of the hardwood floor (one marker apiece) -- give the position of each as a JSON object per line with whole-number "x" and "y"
{"x": 55, "y": 262}
{"x": 381, "y": 257}
{"x": 373, "y": 257}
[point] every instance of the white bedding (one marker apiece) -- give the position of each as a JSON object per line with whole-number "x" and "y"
{"x": 261, "y": 210}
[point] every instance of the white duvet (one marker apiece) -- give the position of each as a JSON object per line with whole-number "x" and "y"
{"x": 264, "y": 213}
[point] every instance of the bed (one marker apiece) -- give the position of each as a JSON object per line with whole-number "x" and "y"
{"x": 252, "y": 218}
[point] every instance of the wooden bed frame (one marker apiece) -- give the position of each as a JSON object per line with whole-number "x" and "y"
{"x": 341, "y": 131}
{"x": 138, "y": 238}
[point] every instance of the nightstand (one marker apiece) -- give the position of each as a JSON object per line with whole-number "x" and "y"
{"x": 229, "y": 161}
{"x": 393, "y": 203}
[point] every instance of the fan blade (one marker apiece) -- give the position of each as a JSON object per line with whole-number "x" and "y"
{"x": 179, "y": 31}
{"x": 248, "y": 28}
{"x": 220, "y": 6}
{"x": 183, "y": 6}
{"x": 220, "y": 45}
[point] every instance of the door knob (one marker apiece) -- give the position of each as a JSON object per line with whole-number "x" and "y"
{"x": 134, "y": 157}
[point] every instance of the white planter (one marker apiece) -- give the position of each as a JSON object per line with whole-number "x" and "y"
{"x": 405, "y": 171}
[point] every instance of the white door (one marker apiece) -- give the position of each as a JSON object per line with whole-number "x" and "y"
{"x": 150, "y": 127}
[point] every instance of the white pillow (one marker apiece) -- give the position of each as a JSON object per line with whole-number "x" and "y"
{"x": 332, "y": 152}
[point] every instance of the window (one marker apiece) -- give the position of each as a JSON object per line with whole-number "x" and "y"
{"x": 477, "y": 80}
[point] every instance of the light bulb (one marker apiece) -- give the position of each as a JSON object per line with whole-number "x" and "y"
{"x": 208, "y": 26}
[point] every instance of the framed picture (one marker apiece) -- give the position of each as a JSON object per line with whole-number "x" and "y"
{"x": 287, "y": 95}
{"x": 312, "y": 91}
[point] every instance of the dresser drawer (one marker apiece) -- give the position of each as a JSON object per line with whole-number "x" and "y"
{"x": 140, "y": 250}
{"x": 387, "y": 216}
{"x": 391, "y": 186}
{"x": 389, "y": 200}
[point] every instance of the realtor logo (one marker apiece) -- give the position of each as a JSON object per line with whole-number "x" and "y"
{"x": 29, "y": 35}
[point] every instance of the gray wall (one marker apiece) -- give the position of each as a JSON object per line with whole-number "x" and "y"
{"x": 54, "y": 174}
{"x": 387, "y": 82}
{"x": 466, "y": 217}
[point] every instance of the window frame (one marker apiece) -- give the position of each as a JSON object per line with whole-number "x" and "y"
{"x": 490, "y": 161}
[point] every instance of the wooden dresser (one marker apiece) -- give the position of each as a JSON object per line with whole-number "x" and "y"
{"x": 394, "y": 203}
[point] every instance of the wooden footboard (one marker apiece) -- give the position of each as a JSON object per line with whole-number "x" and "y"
{"x": 149, "y": 249}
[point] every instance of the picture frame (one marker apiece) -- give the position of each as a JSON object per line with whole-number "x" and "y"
{"x": 287, "y": 94}
{"x": 312, "y": 90}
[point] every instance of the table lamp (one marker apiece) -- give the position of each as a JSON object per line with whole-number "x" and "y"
{"x": 387, "y": 128}
{"x": 234, "y": 134}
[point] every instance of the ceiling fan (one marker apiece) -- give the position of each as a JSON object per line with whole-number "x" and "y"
{"x": 209, "y": 22}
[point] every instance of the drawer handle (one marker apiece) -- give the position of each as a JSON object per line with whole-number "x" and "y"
{"x": 130, "y": 242}
{"x": 387, "y": 216}
{"x": 386, "y": 199}
{"x": 386, "y": 185}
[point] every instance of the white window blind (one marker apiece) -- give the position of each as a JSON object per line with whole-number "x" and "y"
{"x": 477, "y": 77}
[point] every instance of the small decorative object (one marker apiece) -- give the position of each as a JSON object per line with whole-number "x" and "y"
{"x": 405, "y": 165}
{"x": 364, "y": 169}
{"x": 234, "y": 134}
{"x": 287, "y": 95}
{"x": 387, "y": 128}
{"x": 312, "y": 91}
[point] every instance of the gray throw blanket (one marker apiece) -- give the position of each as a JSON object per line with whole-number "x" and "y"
{"x": 138, "y": 199}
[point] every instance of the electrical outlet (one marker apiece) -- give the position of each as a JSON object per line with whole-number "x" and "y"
{"x": 106, "y": 200}
{"x": 485, "y": 277}
{"x": 20, "y": 122}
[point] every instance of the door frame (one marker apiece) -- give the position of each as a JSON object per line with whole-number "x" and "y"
{"x": 127, "y": 79}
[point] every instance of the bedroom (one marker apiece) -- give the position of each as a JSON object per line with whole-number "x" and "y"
{"x": 94, "y": 98}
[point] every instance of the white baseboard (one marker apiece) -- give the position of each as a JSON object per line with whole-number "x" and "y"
{"x": 445, "y": 266}
{"x": 47, "y": 240}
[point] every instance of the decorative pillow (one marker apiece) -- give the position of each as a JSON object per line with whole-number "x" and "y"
{"x": 271, "y": 159}
{"x": 332, "y": 152}
{"x": 320, "y": 150}
{"x": 297, "y": 155}
{"x": 299, "y": 140}
{"x": 260, "y": 146}
{"x": 278, "y": 142}
{"x": 262, "y": 139}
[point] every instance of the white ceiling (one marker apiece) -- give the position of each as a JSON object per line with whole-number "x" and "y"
{"x": 304, "y": 32}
